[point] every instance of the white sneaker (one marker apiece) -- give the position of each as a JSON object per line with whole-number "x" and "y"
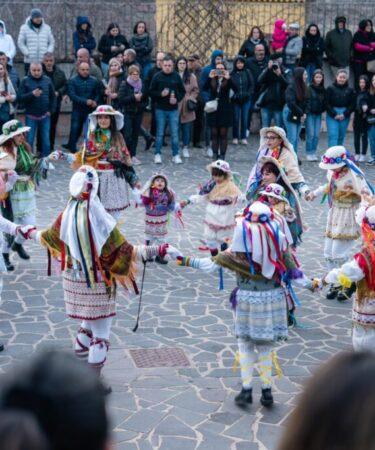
{"x": 244, "y": 141}
{"x": 177, "y": 159}
{"x": 210, "y": 152}
{"x": 136, "y": 161}
{"x": 312, "y": 158}
{"x": 185, "y": 152}
{"x": 371, "y": 162}
{"x": 157, "y": 159}
{"x": 356, "y": 158}
{"x": 247, "y": 133}
{"x": 362, "y": 158}
{"x": 235, "y": 142}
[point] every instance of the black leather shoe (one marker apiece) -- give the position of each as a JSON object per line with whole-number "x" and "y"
{"x": 20, "y": 250}
{"x": 7, "y": 262}
{"x": 244, "y": 398}
{"x": 149, "y": 143}
{"x": 346, "y": 293}
{"x": 267, "y": 398}
{"x": 332, "y": 292}
{"x": 160, "y": 260}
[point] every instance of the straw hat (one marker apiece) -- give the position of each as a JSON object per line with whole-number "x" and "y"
{"x": 106, "y": 110}
{"x": 334, "y": 158}
{"x": 219, "y": 164}
{"x": 276, "y": 191}
{"x": 12, "y": 128}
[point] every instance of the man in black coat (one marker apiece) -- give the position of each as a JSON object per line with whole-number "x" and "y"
{"x": 37, "y": 95}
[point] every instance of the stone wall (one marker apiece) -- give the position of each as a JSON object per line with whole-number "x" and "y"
{"x": 61, "y": 16}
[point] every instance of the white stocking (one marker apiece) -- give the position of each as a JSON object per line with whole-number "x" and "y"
{"x": 248, "y": 358}
{"x": 99, "y": 345}
{"x": 83, "y": 340}
{"x": 265, "y": 364}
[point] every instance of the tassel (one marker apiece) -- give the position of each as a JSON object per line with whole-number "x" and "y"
{"x": 221, "y": 279}
{"x": 49, "y": 263}
{"x": 275, "y": 362}
{"x": 344, "y": 281}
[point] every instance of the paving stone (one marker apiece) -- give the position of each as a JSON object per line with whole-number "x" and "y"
{"x": 171, "y": 426}
{"x": 143, "y": 421}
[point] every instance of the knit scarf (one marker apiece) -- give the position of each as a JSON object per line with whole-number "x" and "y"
{"x": 24, "y": 160}
{"x": 136, "y": 85}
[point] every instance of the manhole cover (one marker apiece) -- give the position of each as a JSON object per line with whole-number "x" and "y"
{"x": 159, "y": 357}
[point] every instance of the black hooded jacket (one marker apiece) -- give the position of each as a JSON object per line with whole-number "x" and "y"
{"x": 339, "y": 45}
{"x": 313, "y": 48}
{"x": 243, "y": 80}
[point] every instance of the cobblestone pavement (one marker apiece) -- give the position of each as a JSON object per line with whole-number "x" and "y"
{"x": 181, "y": 408}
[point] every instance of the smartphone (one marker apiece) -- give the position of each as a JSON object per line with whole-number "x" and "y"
{"x": 219, "y": 72}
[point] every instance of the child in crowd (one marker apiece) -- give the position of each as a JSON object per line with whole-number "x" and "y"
{"x": 279, "y": 36}
{"x": 221, "y": 196}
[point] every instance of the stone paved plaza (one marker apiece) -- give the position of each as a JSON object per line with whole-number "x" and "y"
{"x": 188, "y": 407}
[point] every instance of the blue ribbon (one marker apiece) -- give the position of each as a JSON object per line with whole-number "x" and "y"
{"x": 221, "y": 279}
{"x": 358, "y": 171}
{"x": 248, "y": 254}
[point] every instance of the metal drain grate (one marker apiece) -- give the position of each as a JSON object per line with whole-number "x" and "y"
{"x": 159, "y": 357}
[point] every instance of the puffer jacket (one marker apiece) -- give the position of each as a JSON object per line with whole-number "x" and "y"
{"x": 293, "y": 49}
{"x": 83, "y": 39}
{"x": 340, "y": 96}
{"x": 35, "y": 42}
{"x": 37, "y": 106}
{"x": 273, "y": 90}
{"x": 244, "y": 82}
{"x": 7, "y": 44}
{"x": 316, "y": 103}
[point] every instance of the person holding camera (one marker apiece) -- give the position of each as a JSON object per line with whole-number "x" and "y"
{"x": 37, "y": 95}
{"x": 294, "y": 112}
{"x": 271, "y": 99}
{"x": 220, "y": 118}
{"x": 242, "y": 78}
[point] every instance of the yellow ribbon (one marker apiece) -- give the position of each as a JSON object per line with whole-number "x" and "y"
{"x": 275, "y": 362}
{"x": 344, "y": 280}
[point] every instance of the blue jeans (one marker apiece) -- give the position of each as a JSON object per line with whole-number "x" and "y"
{"x": 313, "y": 123}
{"x": 371, "y": 136}
{"x": 336, "y": 129}
{"x": 310, "y": 69}
{"x": 77, "y": 123}
{"x": 43, "y": 127}
{"x": 162, "y": 117}
{"x": 186, "y": 133}
{"x": 292, "y": 129}
{"x": 269, "y": 114}
{"x": 241, "y": 116}
{"x": 146, "y": 67}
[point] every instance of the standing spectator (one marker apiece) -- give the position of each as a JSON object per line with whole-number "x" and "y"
{"x": 142, "y": 43}
{"x": 83, "y": 55}
{"x": 340, "y": 104}
{"x": 255, "y": 37}
{"x": 219, "y": 121}
{"x": 360, "y": 122}
{"x": 272, "y": 97}
{"x": 12, "y": 72}
{"x": 113, "y": 81}
{"x": 37, "y": 95}
{"x": 111, "y": 44}
{"x": 242, "y": 78}
{"x": 338, "y": 46}
{"x": 58, "y": 78}
{"x": 82, "y": 36}
{"x": 132, "y": 100}
{"x": 156, "y": 69}
{"x": 35, "y": 39}
{"x": 188, "y": 104}
{"x": 279, "y": 36}
{"x": 312, "y": 50}
{"x": 195, "y": 67}
{"x": 369, "y": 109}
{"x": 85, "y": 93}
{"x": 363, "y": 48}
{"x": 167, "y": 90}
{"x": 316, "y": 105}
{"x": 204, "y": 88}
{"x": 293, "y": 47}
{"x": 294, "y": 112}
{"x": 130, "y": 59}
{"x": 6, "y": 43}
{"x": 7, "y": 97}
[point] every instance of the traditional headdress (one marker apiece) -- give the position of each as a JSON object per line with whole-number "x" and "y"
{"x": 274, "y": 190}
{"x": 12, "y": 128}
{"x": 105, "y": 110}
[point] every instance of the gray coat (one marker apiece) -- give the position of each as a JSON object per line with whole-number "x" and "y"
{"x": 35, "y": 42}
{"x": 293, "y": 50}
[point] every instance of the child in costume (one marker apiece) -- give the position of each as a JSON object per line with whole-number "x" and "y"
{"x": 222, "y": 197}
{"x": 260, "y": 258}
{"x": 346, "y": 184}
{"x": 19, "y": 205}
{"x": 11, "y": 229}
{"x": 360, "y": 271}
{"x": 106, "y": 151}
{"x": 272, "y": 172}
{"x": 158, "y": 200}
{"x": 94, "y": 257}
{"x": 279, "y": 36}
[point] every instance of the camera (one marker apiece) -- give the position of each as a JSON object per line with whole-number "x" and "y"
{"x": 219, "y": 72}
{"x": 275, "y": 66}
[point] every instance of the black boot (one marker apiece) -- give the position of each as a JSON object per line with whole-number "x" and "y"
{"x": 149, "y": 142}
{"x": 346, "y": 293}
{"x": 332, "y": 292}
{"x": 160, "y": 260}
{"x": 20, "y": 250}
{"x": 1, "y": 347}
{"x": 244, "y": 398}
{"x": 267, "y": 398}
{"x": 7, "y": 262}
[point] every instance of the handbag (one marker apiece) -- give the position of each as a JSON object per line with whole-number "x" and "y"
{"x": 191, "y": 105}
{"x": 211, "y": 106}
{"x": 371, "y": 66}
{"x": 5, "y": 109}
{"x": 293, "y": 118}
